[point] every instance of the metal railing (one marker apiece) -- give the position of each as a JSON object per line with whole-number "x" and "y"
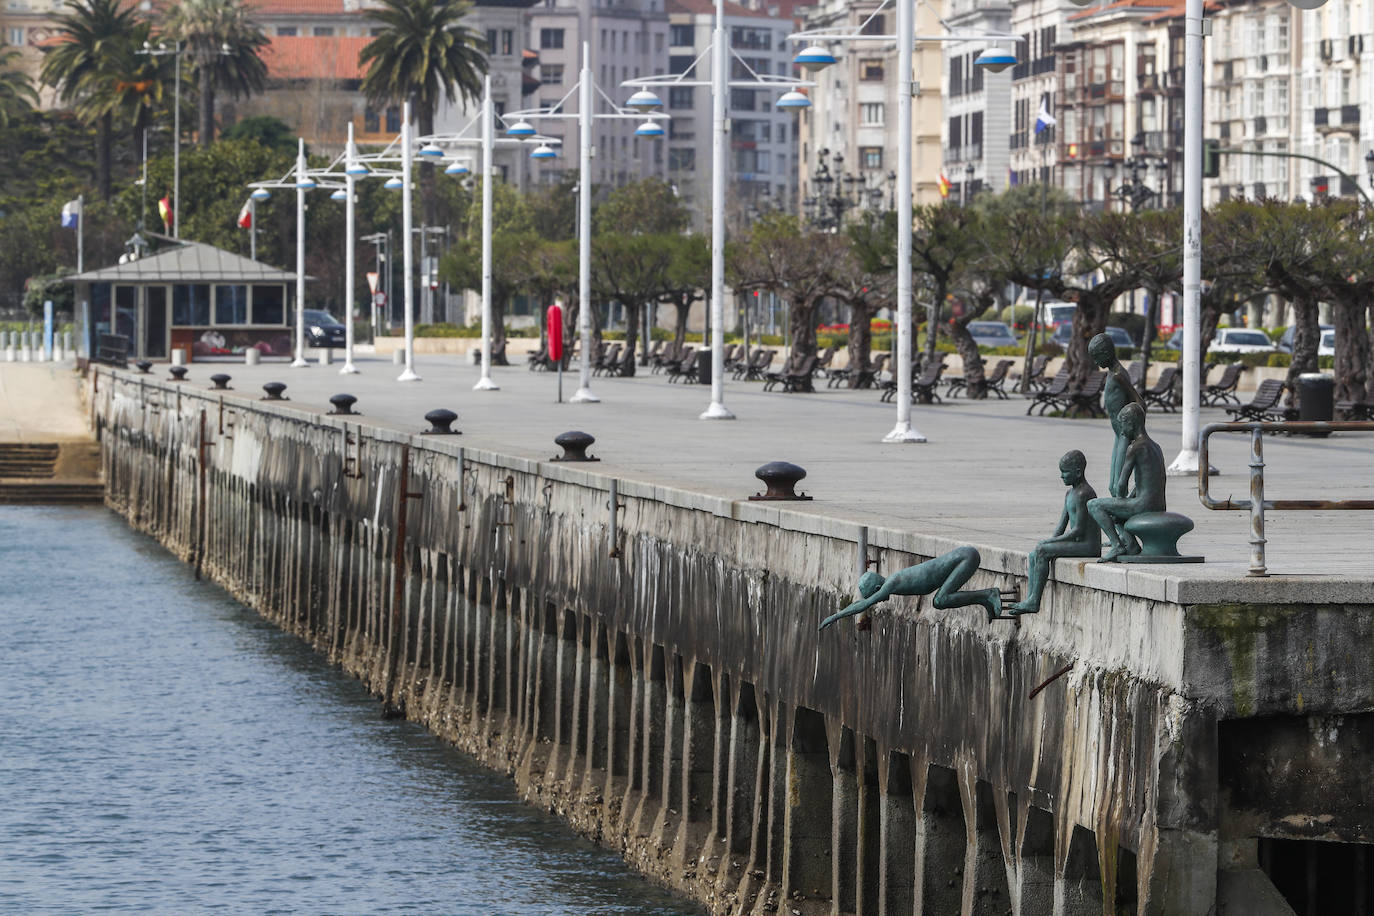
{"x": 1257, "y": 503}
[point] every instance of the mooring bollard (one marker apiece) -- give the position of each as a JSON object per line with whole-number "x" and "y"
{"x": 178, "y": 373}
{"x": 274, "y": 391}
{"x": 781, "y": 478}
{"x": 343, "y": 405}
{"x": 252, "y": 356}
{"x": 440, "y": 421}
{"x": 220, "y": 382}
{"x": 143, "y": 366}
{"x": 574, "y": 444}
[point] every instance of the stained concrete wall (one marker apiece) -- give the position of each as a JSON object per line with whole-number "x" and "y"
{"x": 661, "y": 684}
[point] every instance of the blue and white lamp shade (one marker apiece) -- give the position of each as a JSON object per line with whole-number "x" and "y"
{"x": 520, "y": 129}
{"x": 543, "y": 151}
{"x": 358, "y": 170}
{"x": 340, "y": 195}
{"x": 649, "y": 129}
{"x": 793, "y": 100}
{"x": 432, "y": 151}
{"x": 456, "y": 168}
{"x": 995, "y": 60}
{"x": 261, "y": 194}
{"x": 393, "y": 184}
{"x": 814, "y": 57}
{"x": 644, "y": 100}
{"x": 305, "y": 183}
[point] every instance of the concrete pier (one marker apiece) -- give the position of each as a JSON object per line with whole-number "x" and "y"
{"x": 658, "y": 679}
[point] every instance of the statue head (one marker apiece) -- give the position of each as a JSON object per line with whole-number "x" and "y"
{"x": 1102, "y": 350}
{"x": 869, "y": 583}
{"x": 1072, "y": 466}
{"x": 1132, "y": 419}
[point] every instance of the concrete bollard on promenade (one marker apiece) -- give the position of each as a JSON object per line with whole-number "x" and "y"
{"x": 252, "y": 356}
{"x": 179, "y": 356}
{"x": 326, "y": 356}
{"x": 67, "y": 342}
{"x": 398, "y": 357}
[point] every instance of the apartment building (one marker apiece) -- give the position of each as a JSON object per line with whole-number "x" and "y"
{"x": 847, "y": 150}
{"x": 626, "y": 40}
{"x": 1034, "y": 87}
{"x": 978, "y": 102}
{"x": 1333, "y": 92}
{"x": 763, "y": 138}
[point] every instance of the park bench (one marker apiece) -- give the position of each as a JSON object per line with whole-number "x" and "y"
{"x": 1035, "y": 379}
{"x": 1362, "y": 409}
{"x": 1264, "y": 405}
{"x": 1163, "y": 394}
{"x": 1223, "y": 391}
{"x": 758, "y": 365}
{"x": 1136, "y": 373}
{"x": 1050, "y": 395}
{"x": 661, "y": 358}
{"x": 607, "y": 360}
{"x": 957, "y": 383}
{"x": 796, "y": 376}
{"x": 538, "y": 359}
{"x": 1087, "y": 398}
{"x": 826, "y": 358}
{"x": 685, "y": 365}
{"x": 997, "y": 381}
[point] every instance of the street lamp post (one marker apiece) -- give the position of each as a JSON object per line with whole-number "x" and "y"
{"x": 816, "y": 57}
{"x": 160, "y": 51}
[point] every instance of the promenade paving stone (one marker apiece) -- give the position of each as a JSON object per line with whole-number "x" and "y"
{"x": 987, "y": 476}
{"x": 39, "y": 402}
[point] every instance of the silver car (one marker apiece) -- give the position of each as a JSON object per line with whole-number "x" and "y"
{"x": 992, "y": 334}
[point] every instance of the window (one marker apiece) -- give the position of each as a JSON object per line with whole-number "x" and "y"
{"x": 871, "y": 113}
{"x": 871, "y": 157}
{"x": 875, "y": 26}
{"x": 286, "y": 31}
{"x": 322, "y": 31}
{"x": 371, "y": 122}
{"x": 742, "y": 99}
{"x": 870, "y": 70}
{"x": 680, "y": 36}
{"x": 754, "y": 39}
{"x": 231, "y": 305}
{"x": 658, "y": 42}
{"x": 678, "y": 63}
{"x": 393, "y": 119}
{"x": 191, "y": 304}
{"x": 550, "y": 74}
{"x": 553, "y": 38}
{"x": 507, "y": 42}
{"x": 680, "y": 97}
{"x": 269, "y": 305}
{"x": 16, "y": 37}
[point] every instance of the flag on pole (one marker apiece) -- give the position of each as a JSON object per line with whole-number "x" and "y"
{"x": 164, "y": 209}
{"x": 71, "y": 214}
{"x": 944, "y": 185}
{"x": 246, "y": 215}
{"x": 1043, "y": 118}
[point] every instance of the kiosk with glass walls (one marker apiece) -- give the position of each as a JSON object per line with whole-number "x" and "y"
{"x": 193, "y": 297}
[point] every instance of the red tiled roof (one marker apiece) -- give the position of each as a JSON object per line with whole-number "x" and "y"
{"x": 1119, "y": 4}
{"x": 332, "y": 57}
{"x": 297, "y": 7}
{"x": 708, "y": 7}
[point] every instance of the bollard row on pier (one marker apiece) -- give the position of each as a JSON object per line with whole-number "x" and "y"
{"x": 669, "y": 698}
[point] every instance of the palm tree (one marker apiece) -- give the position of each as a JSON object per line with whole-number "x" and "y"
{"x": 134, "y": 84}
{"x": 223, "y": 43}
{"x": 91, "y": 34}
{"x": 423, "y": 53}
{"x": 17, "y": 94}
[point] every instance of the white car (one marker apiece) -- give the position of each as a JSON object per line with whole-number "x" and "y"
{"x": 1240, "y": 340}
{"x": 1327, "y": 347}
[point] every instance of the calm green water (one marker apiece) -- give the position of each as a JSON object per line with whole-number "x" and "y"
{"x": 164, "y": 750}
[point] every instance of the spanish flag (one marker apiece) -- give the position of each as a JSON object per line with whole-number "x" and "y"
{"x": 164, "y": 209}
{"x": 944, "y": 185}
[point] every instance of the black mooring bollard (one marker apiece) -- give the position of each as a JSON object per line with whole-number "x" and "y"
{"x": 220, "y": 381}
{"x": 144, "y": 366}
{"x": 440, "y": 422}
{"x": 781, "y": 478}
{"x": 274, "y": 391}
{"x": 178, "y": 373}
{"x": 343, "y": 405}
{"x": 574, "y": 444}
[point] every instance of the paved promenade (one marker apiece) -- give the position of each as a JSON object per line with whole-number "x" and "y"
{"x": 988, "y": 475}
{"x": 39, "y": 403}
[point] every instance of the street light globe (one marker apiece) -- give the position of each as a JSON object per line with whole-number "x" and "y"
{"x": 358, "y": 170}
{"x": 520, "y": 129}
{"x": 543, "y": 151}
{"x": 305, "y": 183}
{"x": 814, "y": 58}
{"x": 1307, "y": 4}
{"x": 261, "y": 194}
{"x": 393, "y": 184}
{"x": 793, "y": 99}
{"x": 432, "y": 150}
{"x": 456, "y": 168}
{"x": 644, "y": 100}
{"x": 995, "y": 60}
{"x": 649, "y": 129}
{"x": 339, "y": 195}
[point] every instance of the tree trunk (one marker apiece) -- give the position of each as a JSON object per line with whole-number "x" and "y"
{"x": 207, "y": 104}
{"x": 860, "y": 346}
{"x": 571, "y": 334}
{"x": 802, "y": 315}
{"x": 975, "y": 382}
{"x": 104, "y": 130}
{"x": 498, "y": 331}
{"x": 684, "y": 311}
{"x": 1306, "y": 336}
{"x": 1089, "y": 320}
{"x": 631, "y": 340}
{"x": 932, "y": 325}
{"x": 1352, "y": 351}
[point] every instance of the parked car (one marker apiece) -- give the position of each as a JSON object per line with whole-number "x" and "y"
{"x": 1118, "y": 335}
{"x": 323, "y": 329}
{"x": 1327, "y": 347}
{"x": 1057, "y": 313}
{"x": 1240, "y": 340}
{"x": 1286, "y": 341}
{"x": 992, "y": 334}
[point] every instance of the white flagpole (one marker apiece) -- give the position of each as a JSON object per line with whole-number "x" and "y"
{"x": 80, "y": 232}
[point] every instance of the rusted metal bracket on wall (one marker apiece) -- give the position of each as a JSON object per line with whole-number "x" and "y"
{"x": 505, "y": 508}
{"x": 353, "y": 464}
{"x": 1257, "y": 503}
{"x": 615, "y": 505}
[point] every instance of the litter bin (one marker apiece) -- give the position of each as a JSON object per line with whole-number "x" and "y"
{"x": 1316, "y": 397}
{"x": 703, "y": 367}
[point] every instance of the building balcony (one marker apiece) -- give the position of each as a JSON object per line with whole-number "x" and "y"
{"x": 1148, "y": 82}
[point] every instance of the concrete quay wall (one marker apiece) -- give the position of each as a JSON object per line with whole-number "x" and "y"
{"x": 655, "y": 676}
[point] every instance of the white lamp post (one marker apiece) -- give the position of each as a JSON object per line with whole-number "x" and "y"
{"x": 815, "y": 57}
{"x": 720, "y": 85}
{"x": 407, "y": 244}
{"x": 351, "y": 172}
{"x": 484, "y": 383}
{"x": 303, "y": 183}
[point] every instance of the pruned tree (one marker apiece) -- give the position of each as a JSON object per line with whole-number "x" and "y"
{"x": 631, "y": 270}
{"x": 689, "y": 274}
{"x": 865, "y": 291}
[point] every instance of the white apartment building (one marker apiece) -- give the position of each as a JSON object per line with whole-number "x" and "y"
{"x": 848, "y": 140}
{"x": 978, "y": 110}
{"x": 1334, "y": 89}
{"x": 763, "y": 162}
{"x": 626, "y": 40}
{"x": 1035, "y": 83}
